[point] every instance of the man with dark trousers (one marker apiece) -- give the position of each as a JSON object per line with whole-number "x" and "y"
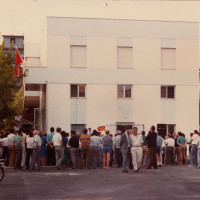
{"x": 152, "y": 143}
{"x": 125, "y": 148}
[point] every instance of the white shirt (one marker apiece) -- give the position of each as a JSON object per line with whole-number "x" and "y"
{"x": 56, "y": 139}
{"x": 5, "y": 141}
{"x": 117, "y": 141}
{"x": 11, "y": 138}
{"x": 29, "y": 142}
{"x": 170, "y": 142}
{"x": 199, "y": 143}
{"x": 136, "y": 140}
{"x": 37, "y": 139}
{"x": 195, "y": 139}
{"x": 18, "y": 118}
{"x": 95, "y": 141}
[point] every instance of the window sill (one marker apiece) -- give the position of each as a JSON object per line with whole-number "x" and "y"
{"x": 78, "y": 98}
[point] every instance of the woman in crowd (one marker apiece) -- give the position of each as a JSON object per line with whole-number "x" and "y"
{"x": 43, "y": 157}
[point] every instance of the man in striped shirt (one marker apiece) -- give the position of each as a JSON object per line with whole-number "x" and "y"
{"x": 85, "y": 147}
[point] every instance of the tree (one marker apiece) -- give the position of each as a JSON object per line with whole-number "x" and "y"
{"x": 9, "y": 88}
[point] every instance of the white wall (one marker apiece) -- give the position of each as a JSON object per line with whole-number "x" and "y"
{"x": 58, "y": 106}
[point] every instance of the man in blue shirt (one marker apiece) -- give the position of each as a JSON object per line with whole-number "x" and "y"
{"x": 18, "y": 149}
{"x": 50, "y": 148}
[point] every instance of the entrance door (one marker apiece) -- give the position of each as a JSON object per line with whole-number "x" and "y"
{"x": 78, "y": 128}
{"x": 123, "y": 125}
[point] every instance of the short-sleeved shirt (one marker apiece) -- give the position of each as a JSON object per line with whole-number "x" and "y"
{"x": 29, "y": 142}
{"x": 95, "y": 141}
{"x": 4, "y": 142}
{"x": 44, "y": 140}
{"x": 56, "y": 139}
{"x": 195, "y": 139}
{"x": 37, "y": 139}
{"x": 18, "y": 138}
{"x": 85, "y": 139}
{"x": 11, "y": 138}
{"x": 107, "y": 140}
{"x": 181, "y": 140}
{"x": 50, "y": 137}
{"x": 136, "y": 140}
{"x": 159, "y": 141}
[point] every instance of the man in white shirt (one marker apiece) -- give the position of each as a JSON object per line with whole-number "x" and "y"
{"x": 59, "y": 150}
{"x": 194, "y": 139}
{"x": 36, "y": 151}
{"x": 136, "y": 141}
{"x": 11, "y": 147}
{"x": 170, "y": 143}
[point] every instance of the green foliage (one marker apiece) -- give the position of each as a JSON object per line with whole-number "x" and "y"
{"x": 10, "y": 102}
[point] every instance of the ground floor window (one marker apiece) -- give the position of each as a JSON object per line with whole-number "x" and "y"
{"x": 164, "y": 129}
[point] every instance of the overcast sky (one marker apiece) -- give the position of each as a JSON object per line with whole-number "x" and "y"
{"x": 28, "y": 16}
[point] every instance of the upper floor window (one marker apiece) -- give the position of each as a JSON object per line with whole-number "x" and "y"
{"x": 12, "y": 40}
{"x": 124, "y": 57}
{"x": 168, "y": 58}
{"x": 78, "y": 56}
{"x": 78, "y": 91}
{"x": 168, "y": 92}
{"x": 124, "y": 91}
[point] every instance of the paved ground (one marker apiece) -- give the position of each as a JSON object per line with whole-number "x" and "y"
{"x": 171, "y": 182}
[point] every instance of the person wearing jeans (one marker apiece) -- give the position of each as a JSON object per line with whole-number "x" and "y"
{"x": 194, "y": 139}
{"x": 59, "y": 149}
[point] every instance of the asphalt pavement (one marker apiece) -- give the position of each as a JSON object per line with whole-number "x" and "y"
{"x": 167, "y": 182}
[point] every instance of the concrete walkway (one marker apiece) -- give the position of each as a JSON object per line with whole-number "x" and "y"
{"x": 170, "y": 182}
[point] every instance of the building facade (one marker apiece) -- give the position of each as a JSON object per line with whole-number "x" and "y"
{"x": 114, "y": 73}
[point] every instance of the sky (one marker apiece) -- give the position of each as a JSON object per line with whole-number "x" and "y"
{"x": 27, "y": 17}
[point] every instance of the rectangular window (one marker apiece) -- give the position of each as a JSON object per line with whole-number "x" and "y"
{"x": 171, "y": 128}
{"x": 168, "y": 58}
{"x": 78, "y": 91}
{"x": 124, "y": 57}
{"x": 124, "y": 91}
{"x": 12, "y": 40}
{"x": 78, "y": 56}
{"x": 168, "y": 92}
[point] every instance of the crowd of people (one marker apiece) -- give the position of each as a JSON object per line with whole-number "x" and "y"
{"x": 92, "y": 149}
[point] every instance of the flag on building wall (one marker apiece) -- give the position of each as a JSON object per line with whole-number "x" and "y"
{"x": 101, "y": 128}
{"x": 18, "y": 60}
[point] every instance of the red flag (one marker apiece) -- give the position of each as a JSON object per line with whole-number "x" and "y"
{"x": 18, "y": 60}
{"x": 101, "y": 128}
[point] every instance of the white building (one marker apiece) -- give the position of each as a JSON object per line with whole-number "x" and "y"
{"x": 115, "y": 72}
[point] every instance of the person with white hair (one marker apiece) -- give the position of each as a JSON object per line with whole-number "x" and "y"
{"x": 36, "y": 151}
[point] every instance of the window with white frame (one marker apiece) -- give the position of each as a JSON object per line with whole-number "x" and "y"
{"x": 78, "y": 55}
{"x": 168, "y": 92}
{"x": 168, "y": 58}
{"x": 171, "y": 128}
{"x": 78, "y": 91}
{"x": 124, "y": 91}
{"x": 124, "y": 57}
